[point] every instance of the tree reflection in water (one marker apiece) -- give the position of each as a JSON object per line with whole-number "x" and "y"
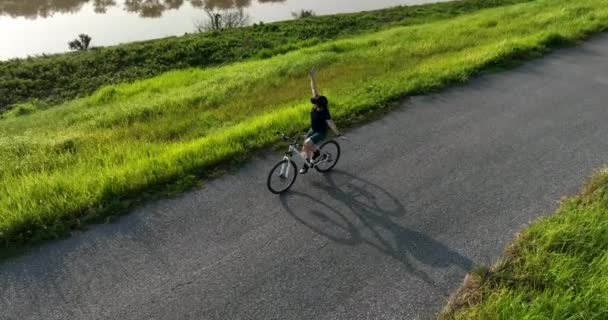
{"x": 34, "y": 9}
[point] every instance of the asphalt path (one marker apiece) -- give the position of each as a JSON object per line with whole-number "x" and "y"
{"x": 420, "y": 197}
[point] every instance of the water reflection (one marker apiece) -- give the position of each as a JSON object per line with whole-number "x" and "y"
{"x": 33, "y": 9}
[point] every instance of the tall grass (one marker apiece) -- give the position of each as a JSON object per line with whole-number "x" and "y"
{"x": 64, "y": 166}
{"x": 48, "y": 80}
{"x": 556, "y": 269}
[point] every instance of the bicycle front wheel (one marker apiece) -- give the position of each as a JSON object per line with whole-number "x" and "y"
{"x": 330, "y": 151}
{"x": 282, "y": 176}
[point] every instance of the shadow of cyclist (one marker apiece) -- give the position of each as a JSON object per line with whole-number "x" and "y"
{"x": 364, "y": 216}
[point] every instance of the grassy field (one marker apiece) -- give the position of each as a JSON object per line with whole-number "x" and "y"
{"x": 48, "y": 80}
{"x": 556, "y": 269}
{"x": 91, "y": 157}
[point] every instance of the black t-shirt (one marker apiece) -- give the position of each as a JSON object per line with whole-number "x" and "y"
{"x": 319, "y": 119}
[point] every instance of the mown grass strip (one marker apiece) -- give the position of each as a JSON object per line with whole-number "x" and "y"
{"x": 91, "y": 157}
{"x": 556, "y": 269}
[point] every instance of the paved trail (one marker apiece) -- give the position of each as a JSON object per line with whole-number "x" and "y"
{"x": 420, "y": 197}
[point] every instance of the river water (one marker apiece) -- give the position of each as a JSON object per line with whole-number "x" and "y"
{"x": 32, "y": 27}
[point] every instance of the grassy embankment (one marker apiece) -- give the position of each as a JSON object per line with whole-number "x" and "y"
{"x": 49, "y": 80}
{"x": 556, "y": 269}
{"x": 91, "y": 157}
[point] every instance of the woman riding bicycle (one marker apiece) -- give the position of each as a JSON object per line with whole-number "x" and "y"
{"x": 320, "y": 119}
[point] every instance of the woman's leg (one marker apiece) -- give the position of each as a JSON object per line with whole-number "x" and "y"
{"x": 308, "y": 149}
{"x": 309, "y": 145}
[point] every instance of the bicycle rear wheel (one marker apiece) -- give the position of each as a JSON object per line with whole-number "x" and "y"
{"x": 330, "y": 151}
{"x": 282, "y": 176}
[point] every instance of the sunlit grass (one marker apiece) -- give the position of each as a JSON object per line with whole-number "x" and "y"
{"x": 49, "y": 80}
{"x": 63, "y": 166}
{"x": 556, "y": 269}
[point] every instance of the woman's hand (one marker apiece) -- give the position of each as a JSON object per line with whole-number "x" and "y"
{"x": 313, "y": 83}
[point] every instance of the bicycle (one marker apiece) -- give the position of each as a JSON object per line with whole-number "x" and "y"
{"x": 286, "y": 171}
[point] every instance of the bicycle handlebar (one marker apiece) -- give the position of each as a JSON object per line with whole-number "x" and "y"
{"x": 285, "y": 137}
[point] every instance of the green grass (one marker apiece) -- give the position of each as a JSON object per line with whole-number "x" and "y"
{"x": 52, "y": 79}
{"x": 89, "y": 158}
{"x": 556, "y": 269}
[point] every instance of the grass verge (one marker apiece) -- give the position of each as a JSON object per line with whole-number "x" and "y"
{"x": 92, "y": 157}
{"x": 555, "y": 269}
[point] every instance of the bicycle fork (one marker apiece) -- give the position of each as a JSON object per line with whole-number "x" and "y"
{"x": 285, "y": 167}
{"x": 289, "y": 157}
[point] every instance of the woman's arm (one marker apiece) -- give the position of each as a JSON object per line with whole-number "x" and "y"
{"x": 333, "y": 127}
{"x": 313, "y": 83}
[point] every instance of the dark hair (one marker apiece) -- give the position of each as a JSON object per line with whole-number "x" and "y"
{"x": 321, "y": 101}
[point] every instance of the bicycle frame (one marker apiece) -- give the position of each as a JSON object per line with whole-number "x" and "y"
{"x": 299, "y": 160}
